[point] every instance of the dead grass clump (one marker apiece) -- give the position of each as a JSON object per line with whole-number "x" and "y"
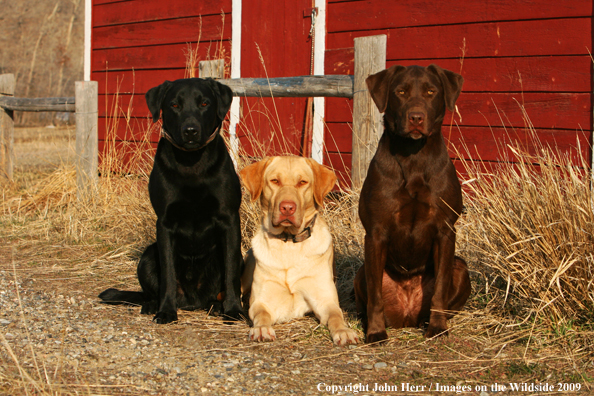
{"x": 529, "y": 226}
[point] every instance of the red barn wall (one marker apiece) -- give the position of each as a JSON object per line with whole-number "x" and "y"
{"x": 530, "y": 52}
{"x": 138, "y": 44}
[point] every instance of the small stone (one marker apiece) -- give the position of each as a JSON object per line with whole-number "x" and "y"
{"x": 295, "y": 372}
{"x": 380, "y": 365}
{"x": 9, "y": 336}
{"x": 483, "y": 393}
{"x": 4, "y": 322}
{"x": 367, "y": 367}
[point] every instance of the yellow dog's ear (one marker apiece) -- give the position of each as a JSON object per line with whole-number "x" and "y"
{"x": 252, "y": 177}
{"x": 324, "y": 182}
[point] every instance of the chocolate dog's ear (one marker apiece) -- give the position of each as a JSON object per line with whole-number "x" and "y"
{"x": 252, "y": 177}
{"x": 452, "y": 84}
{"x": 154, "y": 98}
{"x": 224, "y": 97}
{"x": 324, "y": 182}
{"x": 379, "y": 86}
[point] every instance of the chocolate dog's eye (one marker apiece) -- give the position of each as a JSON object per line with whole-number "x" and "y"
{"x": 430, "y": 92}
{"x": 400, "y": 92}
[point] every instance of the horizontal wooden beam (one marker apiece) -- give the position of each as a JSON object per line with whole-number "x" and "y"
{"x": 37, "y": 104}
{"x": 304, "y": 86}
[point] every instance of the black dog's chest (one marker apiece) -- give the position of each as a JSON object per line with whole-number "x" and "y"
{"x": 193, "y": 225}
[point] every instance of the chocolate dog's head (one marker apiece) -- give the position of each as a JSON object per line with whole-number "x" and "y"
{"x": 414, "y": 98}
{"x": 192, "y": 109}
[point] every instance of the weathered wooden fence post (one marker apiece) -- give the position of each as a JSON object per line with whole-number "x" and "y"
{"x": 370, "y": 58}
{"x": 7, "y": 85}
{"x": 216, "y": 69}
{"x": 87, "y": 140}
{"x": 212, "y": 68}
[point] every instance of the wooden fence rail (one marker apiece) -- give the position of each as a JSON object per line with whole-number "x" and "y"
{"x": 370, "y": 57}
{"x": 37, "y": 104}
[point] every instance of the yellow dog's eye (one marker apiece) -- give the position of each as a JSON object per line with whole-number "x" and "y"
{"x": 275, "y": 181}
{"x": 302, "y": 183}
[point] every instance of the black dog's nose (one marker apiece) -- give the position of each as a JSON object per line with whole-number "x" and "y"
{"x": 190, "y": 133}
{"x": 416, "y": 118}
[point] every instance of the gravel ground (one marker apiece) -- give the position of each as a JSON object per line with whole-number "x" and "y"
{"x": 96, "y": 348}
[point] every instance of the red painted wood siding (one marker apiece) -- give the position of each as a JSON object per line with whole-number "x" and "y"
{"x": 527, "y": 52}
{"x": 275, "y": 43}
{"x": 138, "y": 44}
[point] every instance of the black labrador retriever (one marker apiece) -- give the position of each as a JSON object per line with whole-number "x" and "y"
{"x": 196, "y": 262}
{"x": 409, "y": 204}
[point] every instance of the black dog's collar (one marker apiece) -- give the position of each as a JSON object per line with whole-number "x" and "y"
{"x": 166, "y": 135}
{"x": 302, "y": 236}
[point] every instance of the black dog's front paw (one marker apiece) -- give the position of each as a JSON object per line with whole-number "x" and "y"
{"x": 165, "y": 317}
{"x": 149, "y": 308}
{"x": 235, "y": 314}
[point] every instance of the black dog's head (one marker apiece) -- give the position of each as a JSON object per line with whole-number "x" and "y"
{"x": 414, "y": 98}
{"x": 192, "y": 109}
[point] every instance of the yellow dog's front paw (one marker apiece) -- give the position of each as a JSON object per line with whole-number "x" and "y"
{"x": 262, "y": 333}
{"x": 344, "y": 337}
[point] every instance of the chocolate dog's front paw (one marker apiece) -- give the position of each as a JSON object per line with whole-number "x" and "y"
{"x": 436, "y": 331}
{"x": 165, "y": 317}
{"x": 262, "y": 333}
{"x": 376, "y": 337}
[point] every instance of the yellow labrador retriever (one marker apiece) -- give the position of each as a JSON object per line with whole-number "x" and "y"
{"x": 289, "y": 269}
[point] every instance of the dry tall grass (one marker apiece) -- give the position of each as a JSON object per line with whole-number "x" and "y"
{"x": 529, "y": 228}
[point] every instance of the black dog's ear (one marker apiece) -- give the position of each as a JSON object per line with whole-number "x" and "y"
{"x": 224, "y": 97}
{"x": 379, "y": 86}
{"x": 154, "y": 98}
{"x": 452, "y": 85}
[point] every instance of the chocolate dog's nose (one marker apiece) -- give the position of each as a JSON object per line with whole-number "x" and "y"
{"x": 287, "y": 208}
{"x": 416, "y": 118}
{"x": 190, "y": 133}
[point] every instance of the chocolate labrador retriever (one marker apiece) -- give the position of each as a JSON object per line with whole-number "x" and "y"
{"x": 409, "y": 204}
{"x": 196, "y": 262}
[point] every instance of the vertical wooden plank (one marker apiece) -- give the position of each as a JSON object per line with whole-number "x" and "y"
{"x": 212, "y": 68}
{"x": 7, "y": 84}
{"x": 370, "y": 58}
{"x": 86, "y": 138}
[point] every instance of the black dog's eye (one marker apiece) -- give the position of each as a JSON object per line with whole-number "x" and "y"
{"x": 174, "y": 105}
{"x": 203, "y": 104}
